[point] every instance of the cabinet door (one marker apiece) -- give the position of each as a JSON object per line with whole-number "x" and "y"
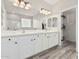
{"x": 5, "y": 48}
{"x": 56, "y": 41}
{"x": 9, "y": 49}
{"x": 52, "y": 39}
{"x": 26, "y": 46}
{"x": 44, "y": 41}
{"x": 37, "y": 43}
{"x": 15, "y": 48}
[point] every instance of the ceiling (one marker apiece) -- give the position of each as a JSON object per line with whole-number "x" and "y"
{"x": 73, "y": 10}
{"x": 51, "y": 1}
{"x": 36, "y": 6}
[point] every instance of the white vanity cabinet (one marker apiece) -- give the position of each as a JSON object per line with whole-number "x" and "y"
{"x": 9, "y": 48}
{"x": 21, "y": 47}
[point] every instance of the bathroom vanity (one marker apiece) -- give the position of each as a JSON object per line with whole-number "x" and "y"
{"x": 23, "y": 45}
{"x": 24, "y": 36}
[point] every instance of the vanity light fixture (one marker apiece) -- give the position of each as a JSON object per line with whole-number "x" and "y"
{"x": 22, "y": 4}
{"x": 27, "y": 5}
{"x": 45, "y": 11}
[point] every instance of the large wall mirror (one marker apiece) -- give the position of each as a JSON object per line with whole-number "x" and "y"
{"x": 17, "y": 22}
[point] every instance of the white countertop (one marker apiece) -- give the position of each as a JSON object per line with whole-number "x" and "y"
{"x": 21, "y": 32}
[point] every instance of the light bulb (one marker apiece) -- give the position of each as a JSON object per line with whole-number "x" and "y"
{"x": 46, "y": 12}
{"x": 15, "y": 4}
{"x": 41, "y": 11}
{"x": 28, "y": 5}
{"x": 49, "y": 12}
{"x": 16, "y": 1}
{"x": 22, "y": 4}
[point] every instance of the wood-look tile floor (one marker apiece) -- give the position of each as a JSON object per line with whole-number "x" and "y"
{"x": 66, "y": 51}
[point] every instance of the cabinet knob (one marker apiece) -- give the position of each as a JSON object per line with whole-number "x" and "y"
{"x": 9, "y": 39}
{"x": 33, "y": 39}
{"x": 16, "y": 42}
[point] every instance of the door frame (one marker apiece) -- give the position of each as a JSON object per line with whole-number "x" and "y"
{"x": 76, "y": 7}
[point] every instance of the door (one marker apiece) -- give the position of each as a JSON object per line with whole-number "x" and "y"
{"x": 70, "y": 25}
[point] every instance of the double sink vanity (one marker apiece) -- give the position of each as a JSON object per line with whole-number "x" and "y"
{"x": 24, "y": 36}
{"x": 23, "y": 44}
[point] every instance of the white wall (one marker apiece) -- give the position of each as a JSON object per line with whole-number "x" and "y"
{"x": 70, "y": 23}
{"x": 63, "y": 5}
{"x": 3, "y": 16}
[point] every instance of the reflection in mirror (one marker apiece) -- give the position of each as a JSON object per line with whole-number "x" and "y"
{"x": 49, "y": 22}
{"x": 18, "y": 21}
{"x": 52, "y": 22}
{"x": 13, "y": 24}
{"x": 26, "y": 23}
